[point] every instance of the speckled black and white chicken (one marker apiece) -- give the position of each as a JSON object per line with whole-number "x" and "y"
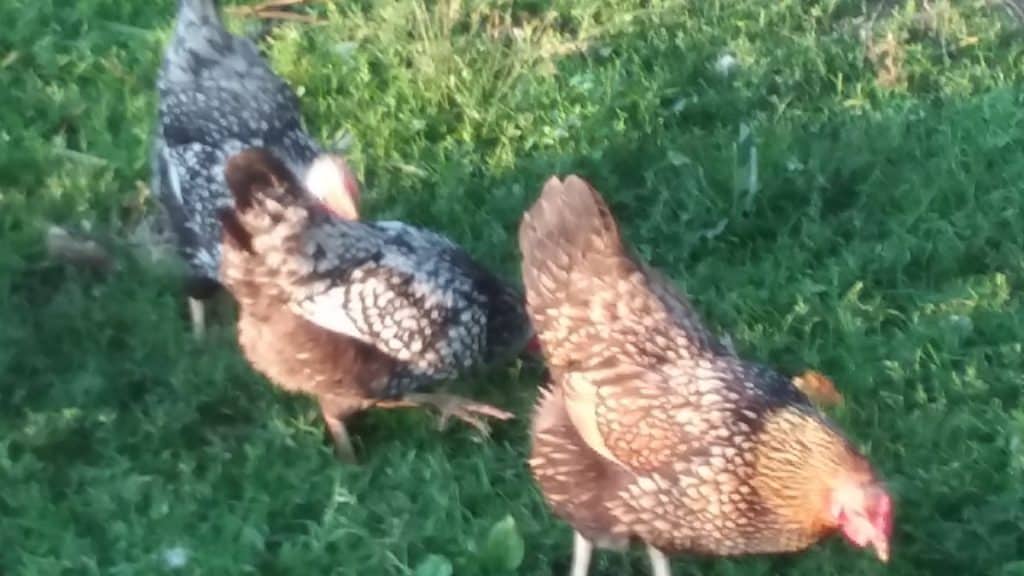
{"x": 357, "y": 314}
{"x": 218, "y": 96}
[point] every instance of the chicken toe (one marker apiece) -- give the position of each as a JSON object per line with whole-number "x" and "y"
{"x": 469, "y": 411}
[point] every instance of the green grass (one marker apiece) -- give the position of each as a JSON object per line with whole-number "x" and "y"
{"x": 883, "y": 245}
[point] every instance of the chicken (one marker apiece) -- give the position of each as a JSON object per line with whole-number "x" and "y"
{"x": 357, "y": 314}
{"x": 652, "y": 430}
{"x": 218, "y": 96}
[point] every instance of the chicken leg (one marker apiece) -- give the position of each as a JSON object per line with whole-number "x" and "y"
{"x": 339, "y": 434}
{"x": 197, "y": 315}
{"x": 582, "y": 550}
{"x": 659, "y": 562}
{"x": 469, "y": 411}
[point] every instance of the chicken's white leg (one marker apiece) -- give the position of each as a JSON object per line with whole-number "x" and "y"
{"x": 582, "y": 550}
{"x": 197, "y": 314}
{"x": 659, "y": 562}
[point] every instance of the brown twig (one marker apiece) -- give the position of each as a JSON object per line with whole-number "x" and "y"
{"x": 279, "y": 15}
{"x": 271, "y": 10}
{"x": 267, "y": 5}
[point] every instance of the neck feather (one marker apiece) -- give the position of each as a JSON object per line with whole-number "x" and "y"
{"x": 800, "y": 460}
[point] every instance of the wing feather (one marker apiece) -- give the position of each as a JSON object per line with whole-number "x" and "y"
{"x": 614, "y": 331}
{"x": 395, "y": 296}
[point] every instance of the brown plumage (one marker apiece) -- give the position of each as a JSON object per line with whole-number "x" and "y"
{"x": 653, "y": 430}
{"x": 357, "y": 314}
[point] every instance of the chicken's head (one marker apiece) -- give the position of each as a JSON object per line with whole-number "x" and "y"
{"x": 863, "y": 512}
{"x": 332, "y": 182}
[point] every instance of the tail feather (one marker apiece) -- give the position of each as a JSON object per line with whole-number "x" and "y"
{"x": 568, "y": 222}
{"x": 198, "y": 28}
{"x": 269, "y": 203}
{"x": 199, "y": 13}
{"x": 573, "y": 257}
{"x": 235, "y": 234}
{"x": 256, "y": 175}
{"x": 200, "y": 7}
{"x": 258, "y": 233}
{"x": 585, "y": 290}
{"x": 568, "y": 229}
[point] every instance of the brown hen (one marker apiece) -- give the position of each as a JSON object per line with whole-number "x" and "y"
{"x": 653, "y": 431}
{"x": 357, "y": 314}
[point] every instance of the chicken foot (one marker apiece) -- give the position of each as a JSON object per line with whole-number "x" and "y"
{"x": 449, "y": 405}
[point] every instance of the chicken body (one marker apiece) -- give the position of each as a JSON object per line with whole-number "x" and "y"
{"x": 217, "y": 96}
{"x": 653, "y": 430}
{"x": 357, "y": 314}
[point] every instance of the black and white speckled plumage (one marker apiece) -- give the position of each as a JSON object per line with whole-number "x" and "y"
{"x": 410, "y": 293}
{"x": 218, "y": 96}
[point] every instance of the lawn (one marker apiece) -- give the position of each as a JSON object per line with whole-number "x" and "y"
{"x": 837, "y": 184}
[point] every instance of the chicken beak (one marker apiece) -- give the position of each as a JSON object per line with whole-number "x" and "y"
{"x": 881, "y": 546}
{"x": 342, "y": 207}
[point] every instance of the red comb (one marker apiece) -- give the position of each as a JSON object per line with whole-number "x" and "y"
{"x": 533, "y": 346}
